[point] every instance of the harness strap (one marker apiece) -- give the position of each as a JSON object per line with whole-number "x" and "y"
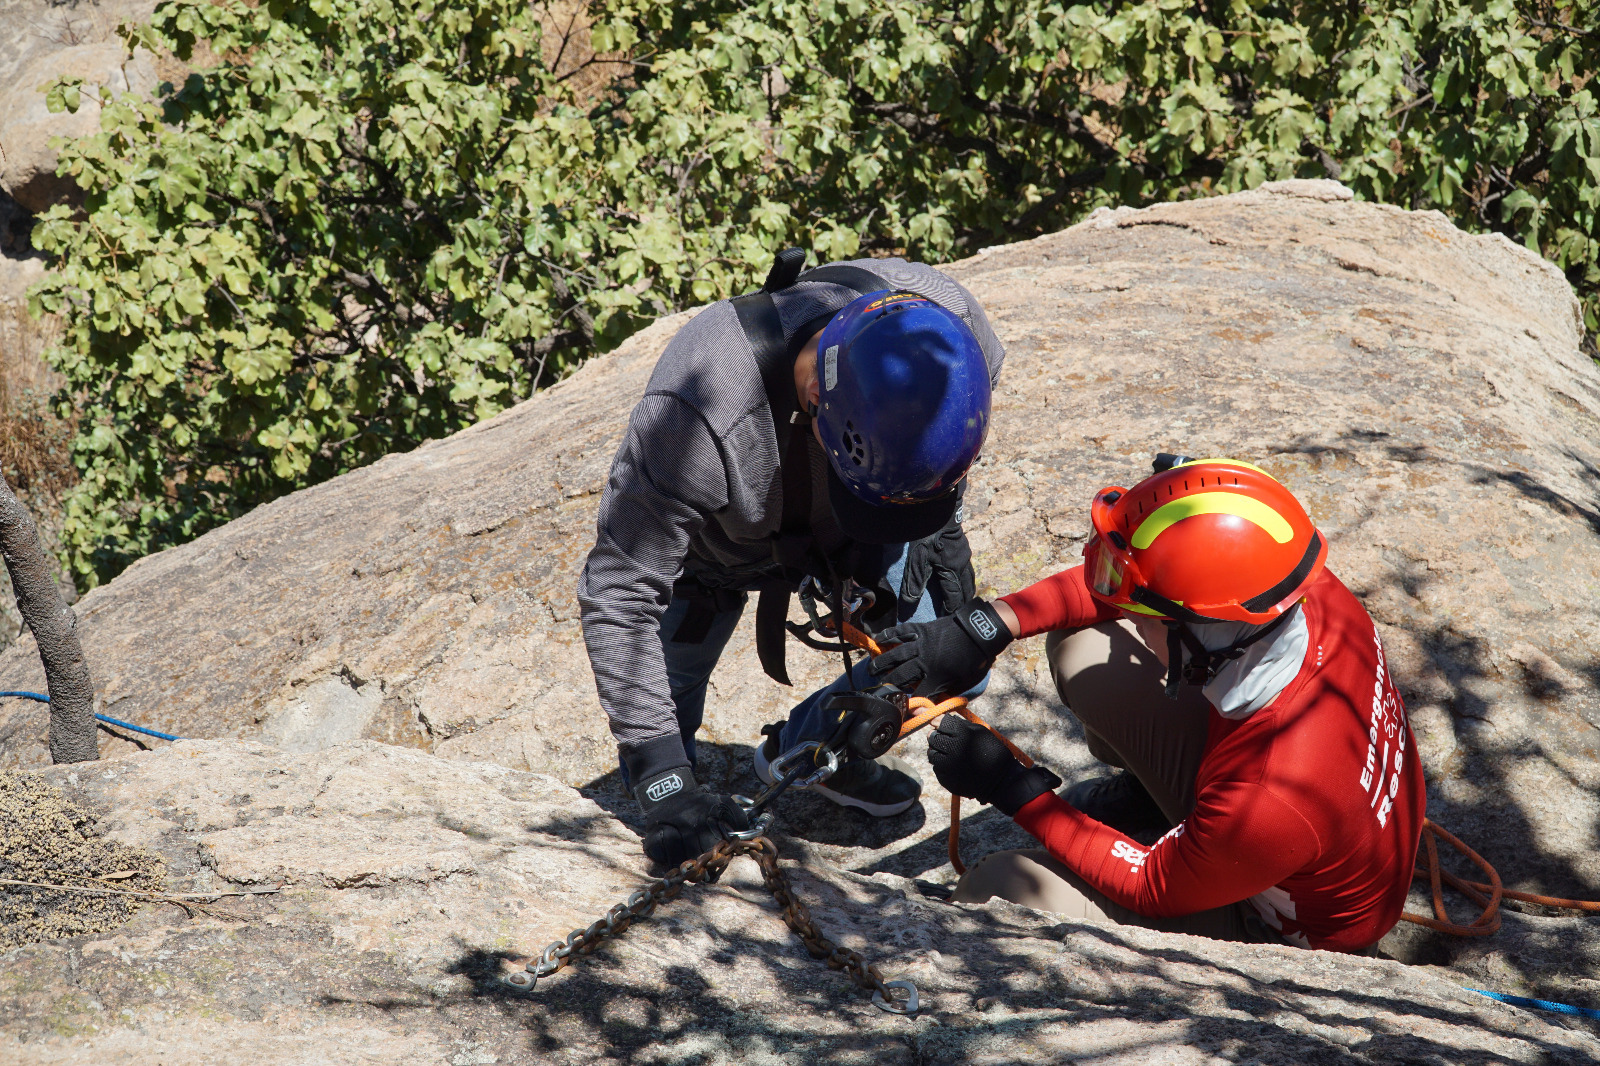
{"x": 1204, "y": 663}
{"x": 704, "y": 606}
{"x": 775, "y": 356}
{"x": 772, "y": 610}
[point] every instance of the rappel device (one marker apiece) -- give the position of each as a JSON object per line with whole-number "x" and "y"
{"x": 867, "y": 723}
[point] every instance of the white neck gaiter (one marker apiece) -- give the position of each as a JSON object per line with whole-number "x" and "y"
{"x": 1254, "y": 679}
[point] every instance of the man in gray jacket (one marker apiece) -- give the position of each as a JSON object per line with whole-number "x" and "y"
{"x": 822, "y": 427}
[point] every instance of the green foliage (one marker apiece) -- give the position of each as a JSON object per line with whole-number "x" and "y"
{"x": 375, "y": 221}
{"x": 940, "y": 127}
{"x": 369, "y": 224}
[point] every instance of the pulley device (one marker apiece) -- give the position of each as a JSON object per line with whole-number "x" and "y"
{"x": 866, "y": 723}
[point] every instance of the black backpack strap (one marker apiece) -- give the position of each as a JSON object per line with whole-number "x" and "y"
{"x": 758, "y": 317}
{"x": 786, "y": 267}
{"x": 789, "y": 551}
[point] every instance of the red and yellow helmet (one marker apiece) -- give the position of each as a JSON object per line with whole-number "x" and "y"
{"x": 1210, "y": 540}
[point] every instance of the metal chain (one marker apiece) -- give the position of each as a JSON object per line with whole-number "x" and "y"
{"x": 795, "y": 915}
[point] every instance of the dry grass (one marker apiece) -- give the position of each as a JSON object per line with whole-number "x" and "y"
{"x": 33, "y": 442}
{"x": 568, "y": 52}
{"x": 45, "y": 838}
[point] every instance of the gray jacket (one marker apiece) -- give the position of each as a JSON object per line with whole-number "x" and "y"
{"x": 697, "y": 484}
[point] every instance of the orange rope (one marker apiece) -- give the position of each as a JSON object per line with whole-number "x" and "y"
{"x": 1486, "y": 894}
{"x": 927, "y": 711}
{"x": 1485, "y": 923}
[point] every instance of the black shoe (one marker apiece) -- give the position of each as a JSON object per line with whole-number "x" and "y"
{"x": 882, "y": 787}
{"x": 1119, "y": 801}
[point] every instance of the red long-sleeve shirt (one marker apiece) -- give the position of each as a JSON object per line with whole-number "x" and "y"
{"x": 1311, "y": 808}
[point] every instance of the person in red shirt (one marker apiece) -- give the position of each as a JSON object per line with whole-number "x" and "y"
{"x": 1245, "y": 695}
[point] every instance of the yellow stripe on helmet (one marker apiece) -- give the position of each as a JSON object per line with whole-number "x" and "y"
{"x": 1232, "y": 503}
{"x": 1228, "y": 462}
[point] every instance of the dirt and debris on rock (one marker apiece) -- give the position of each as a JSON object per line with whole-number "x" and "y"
{"x": 441, "y": 794}
{"x": 48, "y": 841}
{"x": 412, "y": 883}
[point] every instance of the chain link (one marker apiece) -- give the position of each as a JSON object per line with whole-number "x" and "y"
{"x": 795, "y": 915}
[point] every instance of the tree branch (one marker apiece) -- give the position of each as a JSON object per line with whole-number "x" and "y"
{"x": 55, "y": 630}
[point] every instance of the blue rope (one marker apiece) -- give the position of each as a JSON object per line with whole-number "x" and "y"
{"x": 99, "y": 717}
{"x": 1539, "y": 1004}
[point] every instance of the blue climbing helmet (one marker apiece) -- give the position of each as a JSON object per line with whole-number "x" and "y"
{"x": 903, "y": 413}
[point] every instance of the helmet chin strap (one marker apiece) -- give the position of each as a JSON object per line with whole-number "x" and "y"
{"x": 1204, "y": 663}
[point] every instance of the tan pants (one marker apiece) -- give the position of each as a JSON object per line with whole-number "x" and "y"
{"x": 1113, "y": 684}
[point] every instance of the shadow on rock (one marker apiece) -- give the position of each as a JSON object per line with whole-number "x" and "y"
{"x": 986, "y": 1002}
{"x": 800, "y": 815}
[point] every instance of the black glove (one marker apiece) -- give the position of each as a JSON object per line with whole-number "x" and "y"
{"x": 684, "y": 820}
{"x": 970, "y": 761}
{"x": 940, "y": 565}
{"x": 949, "y": 654}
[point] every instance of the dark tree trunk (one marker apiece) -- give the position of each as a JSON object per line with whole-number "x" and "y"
{"x": 55, "y": 628}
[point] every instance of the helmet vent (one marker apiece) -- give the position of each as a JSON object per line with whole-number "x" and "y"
{"x": 854, "y": 446}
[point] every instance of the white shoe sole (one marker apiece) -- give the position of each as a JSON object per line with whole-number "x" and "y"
{"x": 877, "y": 810}
{"x": 763, "y": 766}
